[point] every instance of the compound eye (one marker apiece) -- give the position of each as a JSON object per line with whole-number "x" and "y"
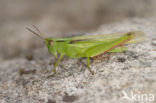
{"x": 50, "y": 42}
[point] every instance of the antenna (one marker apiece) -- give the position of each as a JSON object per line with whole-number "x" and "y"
{"x": 39, "y": 34}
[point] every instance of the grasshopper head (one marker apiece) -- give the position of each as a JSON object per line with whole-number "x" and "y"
{"x": 48, "y": 41}
{"x": 51, "y": 45}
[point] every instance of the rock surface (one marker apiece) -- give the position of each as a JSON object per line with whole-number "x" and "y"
{"x": 22, "y": 78}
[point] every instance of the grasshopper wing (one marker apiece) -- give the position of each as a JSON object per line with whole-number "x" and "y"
{"x": 138, "y": 36}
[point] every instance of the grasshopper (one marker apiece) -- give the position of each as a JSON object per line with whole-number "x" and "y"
{"x": 89, "y": 46}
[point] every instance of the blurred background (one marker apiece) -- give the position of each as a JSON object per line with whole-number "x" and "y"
{"x": 60, "y": 18}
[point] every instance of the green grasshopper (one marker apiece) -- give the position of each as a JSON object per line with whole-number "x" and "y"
{"x": 89, "y": 46}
